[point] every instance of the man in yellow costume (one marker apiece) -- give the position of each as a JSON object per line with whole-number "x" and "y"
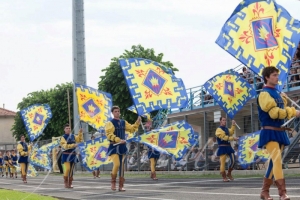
{"x": 224, "y": 136}
{"x": 7, "y": 163}
{"x": 1, "y": 164}
{"x": 69, "y": 159}
{"x": 14, "y": 161}
{"x": 272, "y": 110}
{"x": 115, "y": 132}
{"x": 153, "y": 156}
{"x": 24, "y": 151}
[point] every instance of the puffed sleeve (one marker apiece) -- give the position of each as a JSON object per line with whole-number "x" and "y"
{"x": 29, "y": 147}
{"x": 231, "y": 130}
{"x": 64, "y": 145}
{"x": 79, "y": 137}
{"x": 21, "y": 151}
{"x": 131, "y": 127}
{"x": 222, "y": 135}
{"x": 110, "y": 132}
{"x": 269, "y": 105}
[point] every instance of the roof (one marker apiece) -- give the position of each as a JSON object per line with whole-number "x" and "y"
{"x": 5, "y": 112}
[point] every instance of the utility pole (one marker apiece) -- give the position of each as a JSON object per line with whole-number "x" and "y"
{"x": 79, "y": 65}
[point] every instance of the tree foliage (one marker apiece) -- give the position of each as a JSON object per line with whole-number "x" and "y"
{"x": 58, "y": 102}
{"x": 113, "y": 80}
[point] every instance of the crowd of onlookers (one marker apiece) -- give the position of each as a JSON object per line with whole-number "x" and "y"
{"x": 258, "y": 83}
{"x": 293, "y": 79}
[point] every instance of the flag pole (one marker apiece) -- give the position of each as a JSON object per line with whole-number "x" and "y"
{"x": 69, "y": 108}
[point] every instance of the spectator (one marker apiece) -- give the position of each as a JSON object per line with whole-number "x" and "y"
{"x": 294, "y": 78}
{"x": 132, "y": 162}
{"x": 246, "y": 72}
{"x": 259, "y": 84}
{"x": 144, "y": 158}
{"x": 181, "y": 163}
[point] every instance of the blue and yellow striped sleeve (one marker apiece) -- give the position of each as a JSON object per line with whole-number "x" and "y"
{"x": 222, "y": 135}
{"x": 269, "y": 105}
{"x": 110, "y": 132}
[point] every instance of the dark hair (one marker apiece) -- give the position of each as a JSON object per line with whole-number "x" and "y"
{"x": 267, "y": 71}
{"x": 22, "y": 136}
{"x": 66, "y": 125}
{"x": 222, "y": 118}
{"x": 114, "y": 108}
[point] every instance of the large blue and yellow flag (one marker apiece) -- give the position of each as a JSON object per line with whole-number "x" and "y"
{"x": 153, "y": 86}
{"x": 36, "y": 118}
{"x": 40, "y": 159}
{"x": 94, "y": 153}
{"x": 173, "y": 139}
{"x": 47, "y": 148}
{"x": 93, "y": 106}
{"x": 261, "y": 34}
{"x": 230, "y": 91}
{"x": 31, "y": 171}
{"x": 248, "y": 149}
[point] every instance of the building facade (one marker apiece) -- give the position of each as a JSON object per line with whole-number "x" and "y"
{"x": 7, "y": 141}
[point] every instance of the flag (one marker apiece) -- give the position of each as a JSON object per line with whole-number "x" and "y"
{"x": 93, "y": 106}
{"x": 133, "y": 109}
{"x": 31, "y": 171}
{"x": 40, "y": 159}
{"x": 128, "y": 136}
{"x": 47, "y": 148}
{"x": 153, "y": 86}
{"x": 261, "y": 34}
{"x": 230, "y": 91}
{"x": 35, "y": 118}
{"x": 248, "y": 150}
{"x": 263, "y": 154}
{"x": 173, "y": 139}
{"x": 94, "y": 153}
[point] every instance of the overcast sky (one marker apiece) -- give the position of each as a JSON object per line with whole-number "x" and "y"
{"x": 36, "y": 39}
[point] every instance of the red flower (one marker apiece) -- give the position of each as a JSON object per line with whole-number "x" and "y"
{"x": 238, "y": 90}
{"x": 167, "y": 91}
{"x": 258, "y": 9}
{"x": 245, "y": 37}
{"x": 151, "y": 139}
{"x": 219, "y": 86}
{"x": 148, "y": 94}
{"x": 82, "y": 97}
{"x": 140, "y": 73}
{"x": 269, "y": 58}
{"x": 182, "y": 140}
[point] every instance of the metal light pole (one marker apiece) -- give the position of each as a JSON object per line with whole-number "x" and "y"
{"x": 79, "y": 66}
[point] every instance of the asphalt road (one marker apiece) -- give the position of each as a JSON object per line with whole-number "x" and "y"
{"x": 142, "y": 188}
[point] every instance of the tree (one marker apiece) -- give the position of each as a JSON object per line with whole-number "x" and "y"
{"x": 58, "y": 102}
{"x": 114, "y": 82}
